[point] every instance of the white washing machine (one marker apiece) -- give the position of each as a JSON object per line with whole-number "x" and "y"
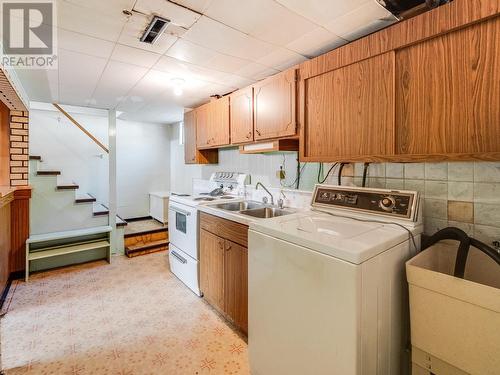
{"x": 327, "y": 290}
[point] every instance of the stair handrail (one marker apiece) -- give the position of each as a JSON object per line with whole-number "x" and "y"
{"x": 79, "y": 126}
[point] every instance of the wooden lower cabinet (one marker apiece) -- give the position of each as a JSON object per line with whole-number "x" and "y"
{"x": 212, "y": 269}
{"x": 236, "y": 283}
{"x": 224, "y": 268}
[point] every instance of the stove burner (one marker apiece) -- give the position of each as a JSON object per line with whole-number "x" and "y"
{"x": 205, "y": 199}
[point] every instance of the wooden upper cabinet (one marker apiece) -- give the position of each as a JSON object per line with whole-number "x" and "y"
{"x": 348, "y": 113}
{"x": 274, "y": 106}
{"x": 241, "y": 116}
{"x": 212, "y": 268}
{"x": 212, "y": 124}
{"x": 448, "y": 93}
{"x": 191, "y": 154}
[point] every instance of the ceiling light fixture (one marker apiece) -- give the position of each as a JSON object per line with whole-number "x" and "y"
{"x": 178, "y": 84}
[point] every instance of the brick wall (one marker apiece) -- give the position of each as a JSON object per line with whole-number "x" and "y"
{"x": 19, "y": 149}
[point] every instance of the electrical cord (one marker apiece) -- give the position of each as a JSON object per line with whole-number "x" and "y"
{"x": 296, "y": 181}
{"x": 340, "y": 172}
{"x": 322, "y": 181}
{"x": 365, "y": 172}
{"x": 410, "y": 234}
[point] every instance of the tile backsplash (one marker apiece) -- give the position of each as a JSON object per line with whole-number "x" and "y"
{"x": 460, "y": 194}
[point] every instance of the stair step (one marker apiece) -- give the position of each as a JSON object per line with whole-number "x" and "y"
{"x": 146, "y": 248}
{"x": 87, "y": 198}
{"x": 68, "y": 187}
{"x": 48, "y": 173}
{"x": 120, "y": 222}
{"x": 35, "y": 157}
{"x": 100, "y": 210}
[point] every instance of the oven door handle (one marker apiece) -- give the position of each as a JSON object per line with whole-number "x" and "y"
{"x": 180, "y": 210}
{"x": 178, "y": 257}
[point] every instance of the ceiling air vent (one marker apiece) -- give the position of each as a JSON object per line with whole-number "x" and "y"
{"x": 410, "y": 8}
{"x": 154, "y": 30}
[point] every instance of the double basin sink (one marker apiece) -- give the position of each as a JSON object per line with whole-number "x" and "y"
{"x": 254, "y": 209}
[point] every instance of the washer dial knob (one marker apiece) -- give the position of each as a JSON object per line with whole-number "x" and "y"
{"x": 387, "y": 203}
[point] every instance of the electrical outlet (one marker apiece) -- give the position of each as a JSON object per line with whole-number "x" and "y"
{"x": 281, "y": 174}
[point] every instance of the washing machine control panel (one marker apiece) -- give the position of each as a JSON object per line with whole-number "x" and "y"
{"x": 386, "y": 202}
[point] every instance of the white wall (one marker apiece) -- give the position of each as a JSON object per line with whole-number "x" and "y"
{"x": 143, "y": 165}
{"x": 142, "y": 157}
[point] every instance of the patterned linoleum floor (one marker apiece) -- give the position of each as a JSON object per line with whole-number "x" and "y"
{"x": 130, "y": 317}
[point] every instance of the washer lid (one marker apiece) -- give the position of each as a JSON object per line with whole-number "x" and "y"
{"x": 344, "y": 238}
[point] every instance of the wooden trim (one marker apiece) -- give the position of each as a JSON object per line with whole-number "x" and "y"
{"x": 35, "y": 157}
{"x": 70, "y": 118}
{"x": 67, "y": 187}
{"x": 444, "y": 19}
{"x": 150, "y": 231}
{"x": 399, "y": 158}
{"x": 19, "y": 228}
{"x": 48, "y": 173}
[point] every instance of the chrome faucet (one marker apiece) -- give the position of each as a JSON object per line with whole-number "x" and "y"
{"x": 265, "y": 200}
{"x": 281, "y": 202}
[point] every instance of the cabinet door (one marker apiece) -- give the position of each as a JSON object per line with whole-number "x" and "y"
{"x": 212, "y": 269}
{"x": 349, "y": 112}
{"x": 241, "y": 116}
{"x": 202, "y": 126}
{"x": 448, "y": 93}
{"x": 274, "y": 106}
{"x": 236, "y": 284}
{"x": 190, "y": 137}
{"x": 218, "y": 119}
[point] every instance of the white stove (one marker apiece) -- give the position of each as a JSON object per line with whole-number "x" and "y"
{"x": 184, "y": 222}
{"x": 327, "y": 287}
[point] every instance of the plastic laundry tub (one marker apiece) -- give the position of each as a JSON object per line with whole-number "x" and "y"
{"x": 455, "y": 322}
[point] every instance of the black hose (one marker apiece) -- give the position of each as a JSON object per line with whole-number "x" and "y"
{"x": 365, "y": 172}
{"x": 327, "y": 173}
{"x": 298, "y": 173}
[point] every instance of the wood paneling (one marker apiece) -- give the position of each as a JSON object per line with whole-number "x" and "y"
{"x": 448, "y": 17}
{"x": 236, "y": 284}
{"x": 202, "y": 130}
{"x": 20, "y": 229}
{"x": 275, "y": 106}
{"x": 5, "y": 242}
{"x": 212, "y": 269}
{"x": 241, "y": 116}
{"x": 350, "y": 111}
{"x": 225, "y": 228}
{"x": 448, "y": 93}
{"x": 191, "y": 154}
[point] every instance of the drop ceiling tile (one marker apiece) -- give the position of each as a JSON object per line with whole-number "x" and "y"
{"x": 76, "y": 86}
{"x": 259, "y": 17}
{"x": 134, "y": 56}
{"x": 225, "y": 63}
{"x": 217, "y": 89}
{"x": 232, "y": 80}
{"x": 188, "y": 71}
{"x": 82, "y": 43}
{"x": 322, "y": 12}
{"x": 85, "y": 20}
{"x": 255, "y": 71}
{"x": 117, "y": 80}
{"x": 224, "y": 39}
{"x": 109, "y": 7}
{"x": 361, "y": 21}
{"x": 187, "y": 51}
{"x": 316, "y": 42}
{"x": 133, "y": 30}
{"x": 176, "y": 14}
{"x": 281, "y": 59}
{"x": 197, "y": 5}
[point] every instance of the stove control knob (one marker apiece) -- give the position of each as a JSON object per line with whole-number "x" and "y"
{"x": 387, "y": 203}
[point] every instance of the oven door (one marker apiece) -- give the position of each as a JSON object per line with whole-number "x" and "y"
{"x": 183, "y": 228}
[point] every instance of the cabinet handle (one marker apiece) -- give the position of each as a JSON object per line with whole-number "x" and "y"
{"x": 228, "y": 247}
{"x": 257, "y": 131}
{"x": 221, "y": 245}
{"x": 249, "y": 135}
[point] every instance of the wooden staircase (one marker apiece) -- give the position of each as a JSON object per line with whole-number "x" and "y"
{"x": 146, "y": 242}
